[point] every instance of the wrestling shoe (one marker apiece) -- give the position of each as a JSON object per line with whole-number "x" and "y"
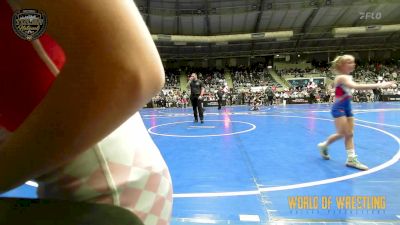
{"x": 323, "y": 149}
{"x": 353, "y": 162}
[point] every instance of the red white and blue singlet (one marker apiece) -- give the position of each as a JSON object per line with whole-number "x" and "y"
{"x": 342, "y": 105}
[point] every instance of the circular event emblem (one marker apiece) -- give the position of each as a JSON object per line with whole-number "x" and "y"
{"x": 29, "y": 24}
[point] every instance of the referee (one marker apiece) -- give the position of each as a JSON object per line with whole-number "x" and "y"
{"x": 196, "y": 96}
{"x": 219, "y": 95}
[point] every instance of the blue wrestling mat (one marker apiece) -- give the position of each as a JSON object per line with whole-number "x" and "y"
{"x": 244, "y": 167}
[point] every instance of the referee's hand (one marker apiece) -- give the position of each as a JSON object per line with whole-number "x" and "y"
{"x": 200, "y": 98}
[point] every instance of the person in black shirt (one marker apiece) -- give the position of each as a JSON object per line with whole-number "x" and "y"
{"x": 270, "y": 95}
{"x": 219, "y": 95}
{"x": 312, "y": 98}
{"x": 196, "y": 96}
{"x": 377, "y": 93}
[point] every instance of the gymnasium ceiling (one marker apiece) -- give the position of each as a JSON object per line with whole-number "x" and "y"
{"x": 311, "y": 21}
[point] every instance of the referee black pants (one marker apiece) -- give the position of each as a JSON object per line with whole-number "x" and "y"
{"x": 197, "y": 107}
{"x": 219, "y": 103}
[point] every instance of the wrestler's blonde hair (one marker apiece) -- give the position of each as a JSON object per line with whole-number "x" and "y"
{"x": 339, "y": 60}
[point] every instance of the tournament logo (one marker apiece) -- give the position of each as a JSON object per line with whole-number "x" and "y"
{"x": 29, "y": 24}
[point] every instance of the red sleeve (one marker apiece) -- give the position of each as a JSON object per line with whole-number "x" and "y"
{"x": 24, "y": 77}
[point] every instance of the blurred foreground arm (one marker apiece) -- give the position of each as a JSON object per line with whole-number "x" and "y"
{"x": 112, "y": 69}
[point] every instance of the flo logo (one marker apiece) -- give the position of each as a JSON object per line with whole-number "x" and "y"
{"x": 29, "y": 24}
{"x": 370, "y": 15}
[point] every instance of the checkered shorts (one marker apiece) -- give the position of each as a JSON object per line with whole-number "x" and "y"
{"x": 124, "y": 169}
